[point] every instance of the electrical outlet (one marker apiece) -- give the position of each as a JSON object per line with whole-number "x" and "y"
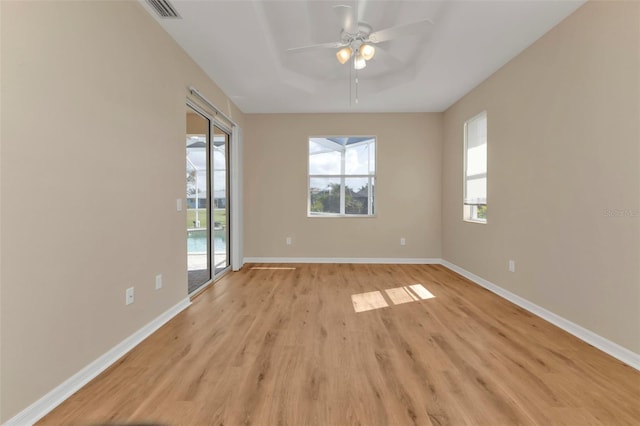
{"x": 512, "y": 266}
{"x": 158, "y": 281}
{"x": 403, "y": 241}
{"x": 289, "y": 241}
{"x": 129, "y": 296}
{"x": 179, "y": 204}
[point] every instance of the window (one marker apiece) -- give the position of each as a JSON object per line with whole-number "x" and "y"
{"x": 475, "y": 169}
{"x": 342, "y": 173}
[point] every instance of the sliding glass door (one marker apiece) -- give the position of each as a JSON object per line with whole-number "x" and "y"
{"x": 198, "y": 190}
{"x": 220, "y": 161}
{"x": 207, "y": 198}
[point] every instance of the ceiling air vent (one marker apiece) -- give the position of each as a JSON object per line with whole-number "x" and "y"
{"x": 164, "y": 8}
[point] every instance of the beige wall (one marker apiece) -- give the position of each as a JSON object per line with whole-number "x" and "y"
{"x": 407, "y": 187}
{"x": 93, "y": 127}
{"x": 563, "y": 132}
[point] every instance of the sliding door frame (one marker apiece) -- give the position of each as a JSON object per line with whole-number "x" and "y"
{"x": 234, "y": 175}
{"x": 209, "y": 230}
{"x": 228, "y": 195}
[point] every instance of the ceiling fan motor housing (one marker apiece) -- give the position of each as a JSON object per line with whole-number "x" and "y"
{"x": 358, "y": 38}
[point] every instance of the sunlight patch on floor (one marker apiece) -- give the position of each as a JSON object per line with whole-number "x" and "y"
{"x": 368, "y": 301}
{"x": 401, "y": 295}
{"x": 363, "y": 302}
{"x": 421, "y": 292}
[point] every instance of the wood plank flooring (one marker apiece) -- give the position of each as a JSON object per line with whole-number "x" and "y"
{"x": 283, "y": 345}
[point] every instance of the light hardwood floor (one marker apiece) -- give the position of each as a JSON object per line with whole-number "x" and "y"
{"x": 276, "y": 346}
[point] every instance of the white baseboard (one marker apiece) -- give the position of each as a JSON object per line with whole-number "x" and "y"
{"x": 51, "y": 400}
{"x": 372, "y": 260}
{"x": 623, "y": 354}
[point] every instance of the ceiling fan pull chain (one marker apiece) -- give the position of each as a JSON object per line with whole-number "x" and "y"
{"x": 356, "y": 86}
{"x": 350, "y": 84}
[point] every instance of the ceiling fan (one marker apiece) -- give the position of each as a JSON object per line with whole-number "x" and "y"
{"x": 357, "y": 38}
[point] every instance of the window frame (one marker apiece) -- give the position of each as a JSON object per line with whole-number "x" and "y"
{"x": 371, "y": 196}
{"x": 470, "y": 210}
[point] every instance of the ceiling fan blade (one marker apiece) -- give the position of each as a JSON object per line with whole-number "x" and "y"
{"x": 348, "y": 18}
{"x": 400, "y": 31}
{"x": 330, "y": 45}
{"x": 384, "y": 55}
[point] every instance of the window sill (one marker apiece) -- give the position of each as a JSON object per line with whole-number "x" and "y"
{"x": 481, "y": 222}
{"x": 341, "y": 216}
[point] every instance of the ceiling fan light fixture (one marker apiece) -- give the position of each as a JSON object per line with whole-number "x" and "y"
{"x": 367, "y": 51}
{"x": 359, "y": 62}
{"x": 344, "y": 54}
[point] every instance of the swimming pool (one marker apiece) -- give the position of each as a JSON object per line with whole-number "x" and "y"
{"x": 197, "y": 241}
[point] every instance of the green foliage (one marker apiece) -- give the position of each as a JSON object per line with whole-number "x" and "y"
{"x": 219, "y": 215}
{"x": 191, "y": 182}
{"x": 328, "y": 201}
{"x": 482, "y": 211}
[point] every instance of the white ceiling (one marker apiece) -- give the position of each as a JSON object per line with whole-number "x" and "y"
{"x": 242, "y": 47}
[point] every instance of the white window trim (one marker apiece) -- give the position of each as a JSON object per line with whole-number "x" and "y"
{"x": 467, "y": 208}
{"x": 343, "y": 176}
